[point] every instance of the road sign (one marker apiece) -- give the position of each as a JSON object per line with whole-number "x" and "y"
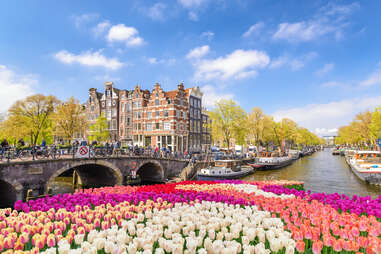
{"x": 83, "y": 152}
{"x": 379, "y": 142}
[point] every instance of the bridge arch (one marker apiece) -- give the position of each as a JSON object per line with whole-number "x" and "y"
{"x": 93, "y": 173}
{"x": 150, "y": 171}
{"x": 10, "y": 192}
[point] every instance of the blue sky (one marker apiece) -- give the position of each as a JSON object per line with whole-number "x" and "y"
{"x": 316, "y": 62}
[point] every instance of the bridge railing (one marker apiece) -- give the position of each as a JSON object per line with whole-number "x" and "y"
{"x": 71, "y": 152}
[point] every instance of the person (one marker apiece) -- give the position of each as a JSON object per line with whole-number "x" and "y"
{"x": 83, "y": 143}
{"x": 21, "y": 142}
{"x": 43, "y": 144}
{"x": 94, "y": 143}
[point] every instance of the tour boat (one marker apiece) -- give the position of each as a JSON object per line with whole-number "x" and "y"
{"x": 224, "y": 169}
{"x": 269, "y": 161}
{"x": 367, "y": 166}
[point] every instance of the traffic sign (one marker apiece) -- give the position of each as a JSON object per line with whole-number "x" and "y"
{"x": 379, "y": 142}
{"x": 83, "y": 152}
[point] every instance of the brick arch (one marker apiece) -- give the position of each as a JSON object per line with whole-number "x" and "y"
{"x": 115, "y": 170}
{"x": 10, "y": 191}
{"x": 157, "y": 164}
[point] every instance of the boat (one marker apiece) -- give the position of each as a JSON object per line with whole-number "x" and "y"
{"x": 295, "y": 154}
{"x": 224, "y": 169}
{"x": 336, "y": 152}
{"x": 367, "y": 166}
{"x": 273, "y": 161}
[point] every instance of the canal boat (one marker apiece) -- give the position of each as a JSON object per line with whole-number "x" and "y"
{"x": 336, "y": 152}
{"x": 224, "y": 169}
{"x": 367, "y": 166}
{"x": 295, "y": 154}
{"x": 272, "y": 161}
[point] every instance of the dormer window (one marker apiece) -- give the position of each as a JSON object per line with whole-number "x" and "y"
{"x": 137, "y": 95}
{"x": 108, "y": 92}
{"x": 169, "y": 101}
{"x": 157, "y": 95}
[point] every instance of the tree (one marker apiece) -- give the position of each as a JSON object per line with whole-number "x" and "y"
{"x": 69, "y": 119}
{"x": 227, "y": 121}
{"x": 34, "y": 114}
{"x": 375, "y": 125}
{"x": 256, "y": 120}
{"x": 99, "y": 130}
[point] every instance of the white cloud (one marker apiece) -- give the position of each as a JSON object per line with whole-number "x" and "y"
{"x": 254, "y": 28}
{"x": 325, "y": 132}
{"x": 101, "y": 28}
{"x": 14, "y": 87}
{"x": 84, "y": 18}
{"x": 154, "y": 60}
{"x": 208, "y": 34}
{"x": 212, "y": 95}
{"x": 198, "y": 52}
{"x": 192, "y": 3}
{"x": 238, "y": 64}
{"x": 123, "y": 33}
{"x": 89, "y": 58}
{"x": 325, "y": 69}
{"x": 193, "y": 16}
{"x": 328, "y": 115}
{"x": 331, "y": 19}
{"x": 373, "y": 79}
{"x": 156, "y": 12}
{"x": 294, "y": 64}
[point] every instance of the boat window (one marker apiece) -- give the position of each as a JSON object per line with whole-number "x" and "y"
{"x": 219, "y": 172}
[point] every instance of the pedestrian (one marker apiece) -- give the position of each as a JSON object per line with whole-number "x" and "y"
{"x": 43, "y": 144}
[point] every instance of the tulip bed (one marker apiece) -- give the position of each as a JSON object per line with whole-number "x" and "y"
{"x": 194, "y": 217}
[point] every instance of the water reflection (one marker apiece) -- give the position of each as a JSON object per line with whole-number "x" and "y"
{"x": 321, "y": 172}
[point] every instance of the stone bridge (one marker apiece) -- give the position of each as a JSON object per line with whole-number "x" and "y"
{"x": 17, "y": 177}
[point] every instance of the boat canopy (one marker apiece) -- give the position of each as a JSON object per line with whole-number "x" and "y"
{"x": 368, "y": 152}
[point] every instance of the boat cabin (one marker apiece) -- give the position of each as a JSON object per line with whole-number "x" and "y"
{"x": 374, "y": 156}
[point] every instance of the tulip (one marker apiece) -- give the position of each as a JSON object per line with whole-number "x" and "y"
{"x": 300, "y": 246}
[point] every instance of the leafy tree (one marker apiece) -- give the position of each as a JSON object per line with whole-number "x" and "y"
{"x": 227, "y": 121}
{"x": 34, "y": 114}
{"x": 69, "y": 119}
{"x": 99, "y": 130}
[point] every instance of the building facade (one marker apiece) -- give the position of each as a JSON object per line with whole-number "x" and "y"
{"x": 157, "y": 118}
{"x": 195, "y": 122}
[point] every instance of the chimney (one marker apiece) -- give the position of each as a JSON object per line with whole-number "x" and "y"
{"x": 180, "y": 86}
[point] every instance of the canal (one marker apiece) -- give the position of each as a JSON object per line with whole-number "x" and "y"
{"x": 321, "y": 172}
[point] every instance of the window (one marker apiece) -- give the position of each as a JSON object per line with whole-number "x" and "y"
{"x": 181, "y": 102}
{"x": 139, "y": 126}
{"x": 166, "y": 113}
{"x": 114, "y": 112}
{"x": 149, "y": 127}
{"x": 149, "y": 115}
{"x": 178, "y": 114}
{"x": 108, "y": 92}
{"x": 157, "y": 103}
{"x": 90, "y": 99}
{"x": 139, "y": 115}
{"x": 128, "y": 105}
{"x": 157, "y": 95}
{"x": 114, "y": 126}
{"x": 123, "y": 96}
{"x": 157, "y": 113}
{"x": 122, "y": 106}
{"x": 169, "y": 101}
{"x": 139, "y": 104}
{"x": 191, "y": 112}
{"x": 108, "y": 114}
{"x": 128, "y": 121}
{"x": 91, "y": 108}
{"x": 167, "y": 126}
{"x": 157, "y": 126}
{"x": 109, "y": 103}
{"x": 181, "y": 114}
{"x": 137, "y": 95}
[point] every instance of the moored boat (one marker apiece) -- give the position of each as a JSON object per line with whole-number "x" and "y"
{"x": 273, "y": 161}
{"x": 224, "y": 169}
{"x": 367, "y": 166}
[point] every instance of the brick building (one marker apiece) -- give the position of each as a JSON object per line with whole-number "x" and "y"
{"x": 195, "y": 122}
{"x": 171, "y": 119}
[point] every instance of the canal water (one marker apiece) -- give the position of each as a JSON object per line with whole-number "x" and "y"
{"x": 321, "y": 172}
